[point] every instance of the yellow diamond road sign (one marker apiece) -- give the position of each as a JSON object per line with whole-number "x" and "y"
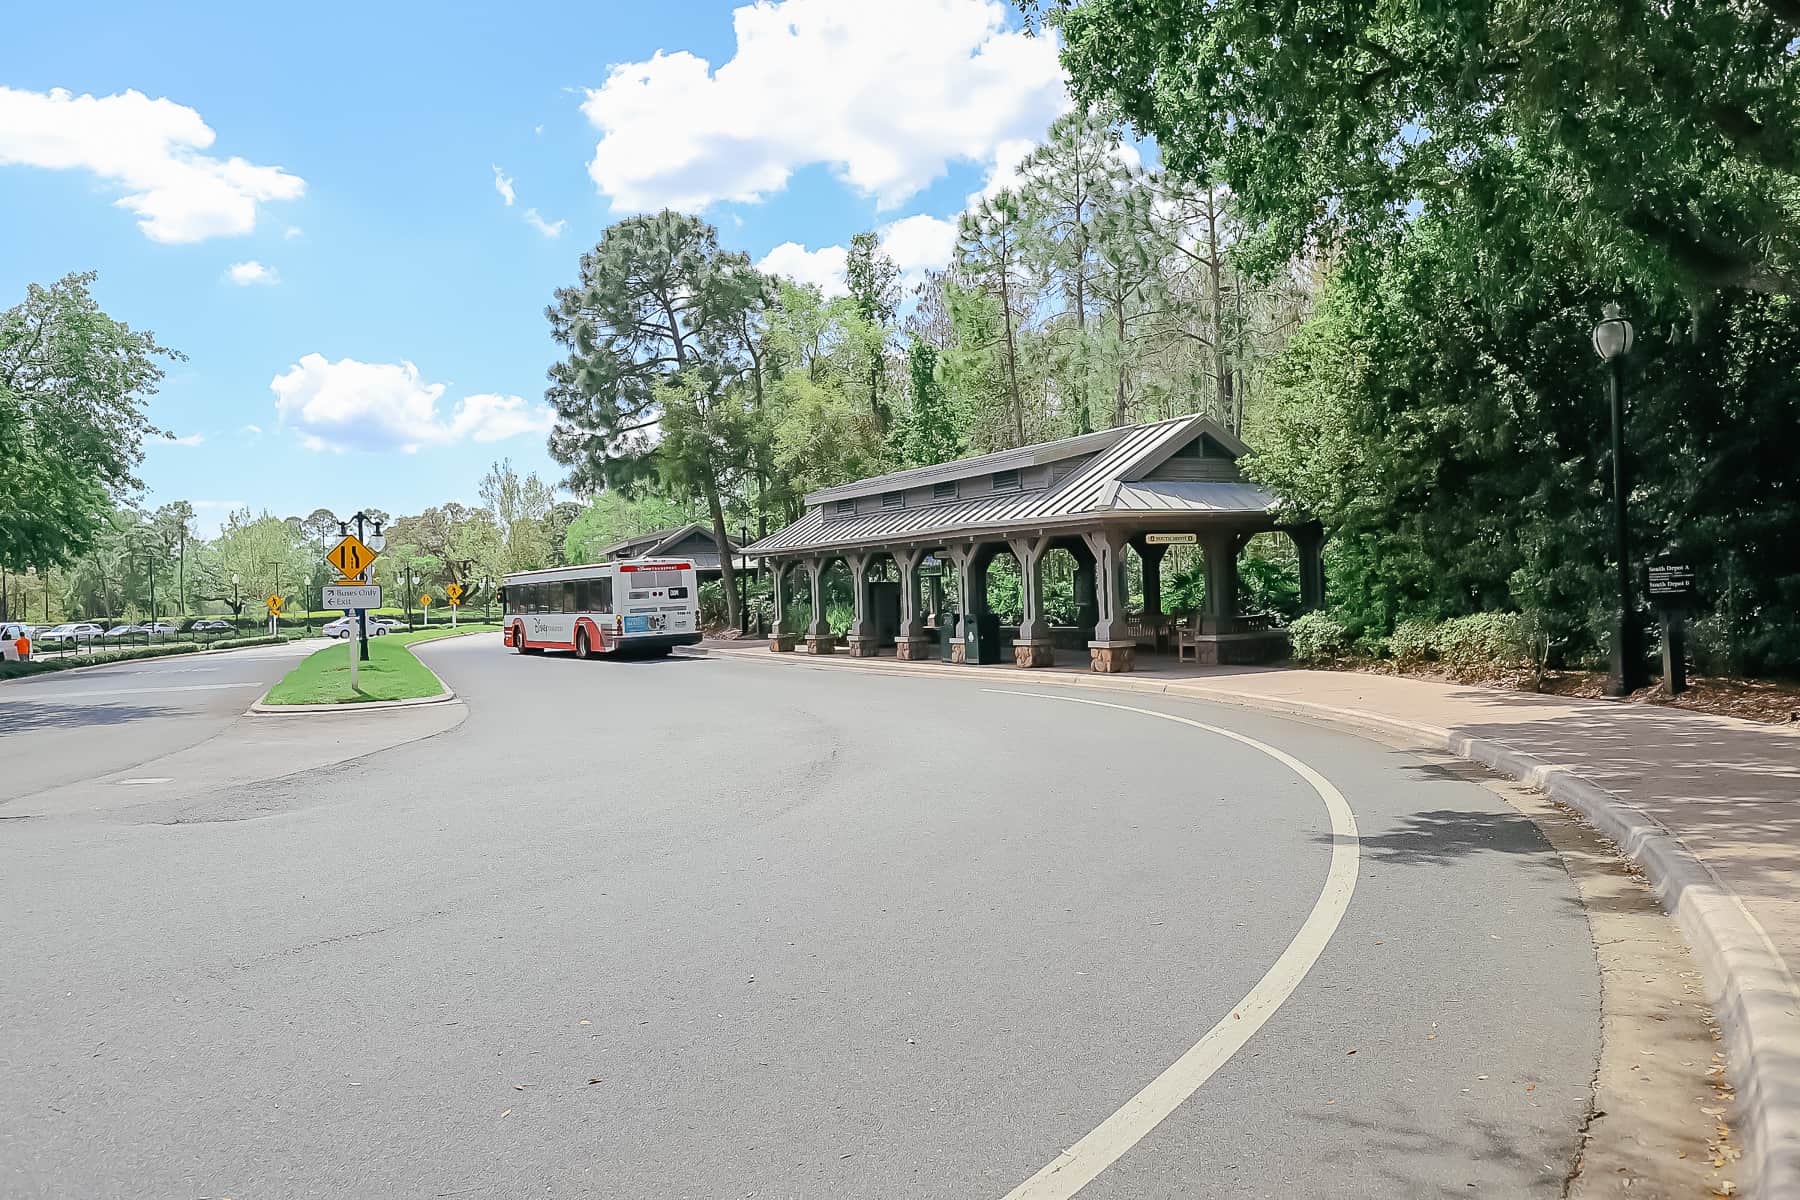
{"x": 274, "y": 603}
{"x": 425, "y": 601}
{"x": 350, "y": 557}
{"x": 454, "y": 592}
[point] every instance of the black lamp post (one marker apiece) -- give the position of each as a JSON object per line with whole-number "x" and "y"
{"x": 374, "y": 542}
{"x": 1613, "y": 336}
{"x": 743, "y": 582}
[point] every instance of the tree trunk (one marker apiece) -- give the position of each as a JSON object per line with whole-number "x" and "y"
{"x": 1084, "y": 414}
{"x": 1012, "y": 350}
{"x": 1119, "y": 400}
{"x": 1221, "y": 362}
{"x": 709, "y": 483}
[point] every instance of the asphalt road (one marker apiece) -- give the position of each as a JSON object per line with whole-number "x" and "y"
{"x": 71, "y": 725}
{"x": 719, "y": 928}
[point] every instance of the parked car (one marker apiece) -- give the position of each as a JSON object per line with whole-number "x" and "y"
{"x": 15, "y": 642}
{"x": 82, "y": 631}
{"x": 119, "y": 633}
{"x": 389, "y": 623}
{"x": 345, "y": 627}
{"x": 209, "y": 625}
{"x": 162, "y": 628}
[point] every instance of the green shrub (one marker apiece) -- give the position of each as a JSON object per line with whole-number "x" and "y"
{"x": 1484, "y": 641}
{"x": 1318, "y": 637}
{"x": 1411, "y": 642}
{"x": 240, "y": 643}
{"x": 39, "y": 665}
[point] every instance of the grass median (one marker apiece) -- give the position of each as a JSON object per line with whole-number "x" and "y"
{"x": 392, "y": 673}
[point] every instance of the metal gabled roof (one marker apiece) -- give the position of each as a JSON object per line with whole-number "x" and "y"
{"x": 1102, "y": 485}
{"x": 984, "y": 464}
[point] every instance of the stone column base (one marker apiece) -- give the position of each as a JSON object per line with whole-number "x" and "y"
{"x": 913, "y": 649}
{"x": 782, "y": 643}
{"x": 821, "y": 645}
{"x": 863, "y": 647}
{"x": 1034, "y": 653}
{"x": 1112, "y": 658}
{"x": 959, "y": 653}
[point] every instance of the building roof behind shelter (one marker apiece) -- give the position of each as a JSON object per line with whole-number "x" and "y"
{"x": 1109, "y": 481}
{"x": 657, "y": 542}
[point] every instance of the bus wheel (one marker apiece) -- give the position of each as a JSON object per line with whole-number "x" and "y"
{"x": 519, "y": 638}
{"x": 581, "y": 645}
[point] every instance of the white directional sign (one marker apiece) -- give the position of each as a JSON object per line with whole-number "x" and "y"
{"x": 353, "y": 595}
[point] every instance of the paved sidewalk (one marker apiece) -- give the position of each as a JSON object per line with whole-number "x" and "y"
{"x": 1710, "y": 806}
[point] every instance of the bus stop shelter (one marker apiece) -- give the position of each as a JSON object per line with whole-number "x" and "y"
{"x": 1100, "y": 496}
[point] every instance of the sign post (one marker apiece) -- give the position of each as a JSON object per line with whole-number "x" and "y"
{"x": 354, "y": 599}
{"x": 274, "y": 606}
{"x": 425, "y": 603}
{"x": 453, "y": 594}
{"x": 352, "y": 559}
{"x": 1673, "y": 588}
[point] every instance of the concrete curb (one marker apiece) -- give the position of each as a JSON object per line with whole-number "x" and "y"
{"x": 264, "y": 709}
{"x": 1753, "y": 993}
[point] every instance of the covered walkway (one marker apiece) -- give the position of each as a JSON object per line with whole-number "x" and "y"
{"x": 918, "y": 544}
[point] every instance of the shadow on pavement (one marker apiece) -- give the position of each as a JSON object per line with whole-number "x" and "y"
{"x": 29, "y": 716}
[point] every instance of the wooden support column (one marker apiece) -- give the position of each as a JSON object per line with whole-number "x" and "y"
{"x": 912, "y": 643}
{"x": 971, "y": 563}
{"x": 1221, "y": 583}
{"x": 819, "y": 639}
{"x": 1111, "y": 650}
{"x": 861, "y": 639}
{"x": 781, "y": 637}
{"x": 1033, "y": 646}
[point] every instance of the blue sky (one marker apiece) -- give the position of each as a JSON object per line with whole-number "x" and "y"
{"x": 353, "y": 180}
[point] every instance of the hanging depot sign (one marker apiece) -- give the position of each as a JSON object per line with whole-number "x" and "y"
{"x": 1672, "y": 583}
{"x": 1171, "y": 539}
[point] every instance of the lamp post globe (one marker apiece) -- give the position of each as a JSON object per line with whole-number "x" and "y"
{"x": 1613, "y": 336}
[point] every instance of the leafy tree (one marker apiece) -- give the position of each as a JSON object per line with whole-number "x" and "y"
{"x": 658, "y": 318}
{"x": 73, "y": 382}
{"x": 266, "y": 554}
{"x": 990, "y": 255}
{"x": 1650, "y": 145}
{"x": 611, "y": 517}
{"x": 874, "y": 283}
{"x": 930, "y": 432}
{"x": 522, "y": 506}
{"x": 1069, "y": 186}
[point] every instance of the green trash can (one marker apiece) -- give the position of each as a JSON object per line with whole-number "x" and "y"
{"x": 982, "y": 643}
{"x": 947, "y": 636}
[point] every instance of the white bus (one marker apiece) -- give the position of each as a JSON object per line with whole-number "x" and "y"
{"x": 642, "y": 605}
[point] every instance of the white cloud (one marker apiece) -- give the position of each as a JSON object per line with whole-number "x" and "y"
{"x": 384, "y": 407}
{"x": 1008, "y": 157}
{"x": 823, "y": 268}
{"x": 245, "y": 274}
{"x": 149, "y": 149}
{"x": 887, "y": 95}
{"x": 253, "y": 430}
{"x": 504, "y": 185}
{"x": 293, "y": 231}
{"x": 917, "y": 244}
{"x": 549, "y": 229}
{"x": 192, "y": 439}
